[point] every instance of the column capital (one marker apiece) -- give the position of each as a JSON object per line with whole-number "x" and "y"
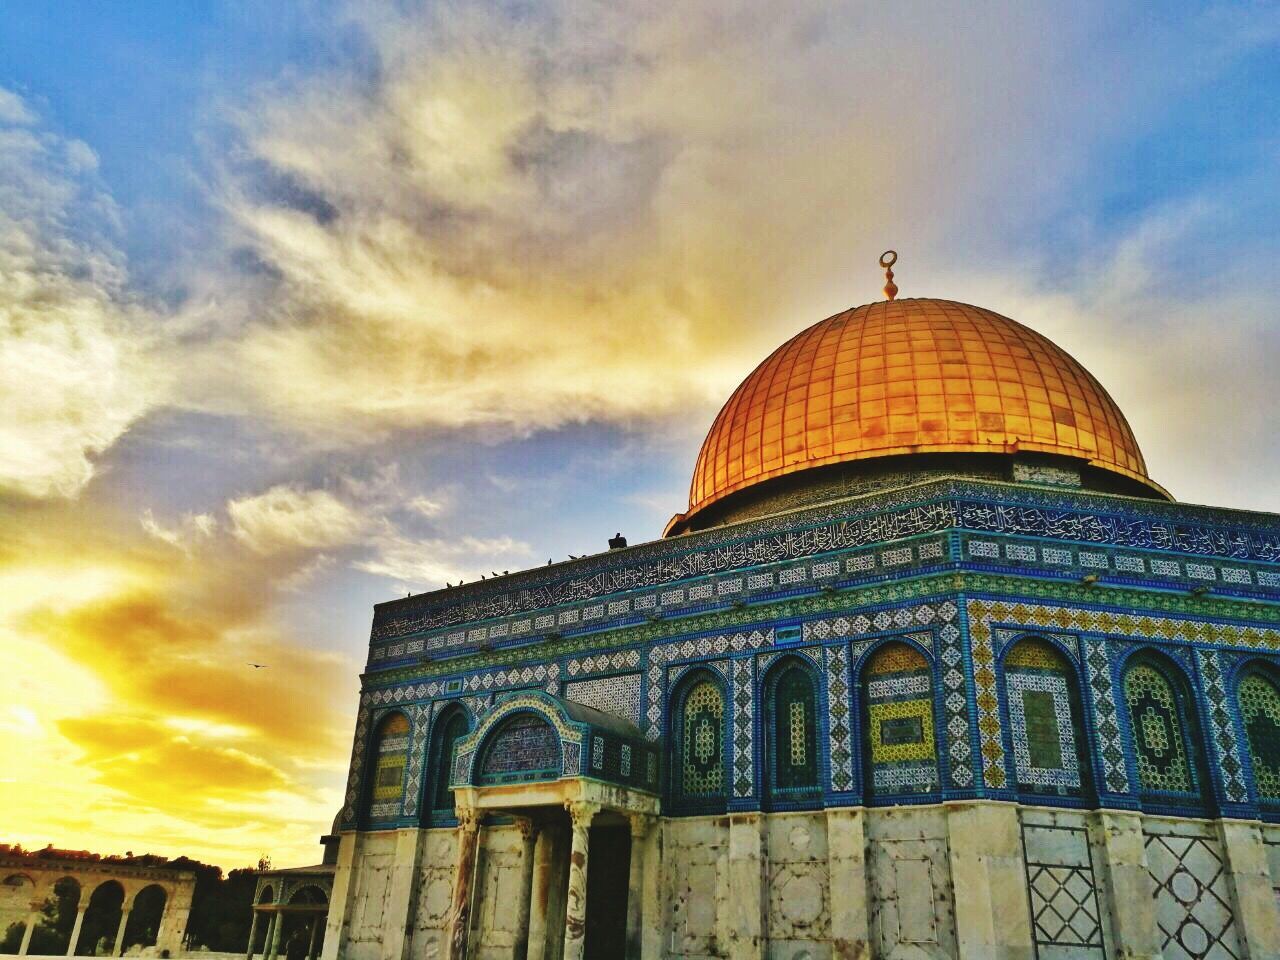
{"x": 528, "y": 827}
{"x": 581, "y": 812}
{"x": 640, "y": 825}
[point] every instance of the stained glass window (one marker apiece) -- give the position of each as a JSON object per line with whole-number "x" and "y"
{"x": 389, "y": 761}
{"x": 902, "y": 755}
{"x": 702, "y": 741}
{"x": 1044, "y": 720}
{"x": 793, "y": 755}
{"x": 524, "y": 749}
{"x": 451, "y": 728}
{"x": 1260, "y": 710}
{"x": 1159, "y": 740}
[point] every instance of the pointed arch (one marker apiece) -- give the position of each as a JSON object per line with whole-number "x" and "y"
{"x": 388, "y": 762}
{"x": 1165, "y": 732}
{"x": 451, "y": 725}
{"x": 1046, "y": 721}
{"x": 699, "y": 743}
{"x": 1258, "y": 700}
{"x": 790, "y": 721}
{"x": 900, "y": 756}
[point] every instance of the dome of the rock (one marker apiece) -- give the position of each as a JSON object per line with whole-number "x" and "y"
{"x": 915, "y": 376}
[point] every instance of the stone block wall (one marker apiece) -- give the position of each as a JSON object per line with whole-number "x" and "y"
{"x": 990, "y": 881}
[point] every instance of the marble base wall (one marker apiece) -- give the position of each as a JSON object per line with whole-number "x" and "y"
{"x": 974, "y": 880}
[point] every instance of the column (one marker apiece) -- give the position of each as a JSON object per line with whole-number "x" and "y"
{"x": 640, "y": 825}
{"x": 253, "y": 932}
{"x": 277, "y": 927}
{"x": 460, "y": 907}
{"x": 575, "y": 911}
{"x": 1256, "y": 912}
{"x": 75, "y": 930}
{"x": 741, "y": 913}
{"x": 847, "y": 872}
{"x": 32, "y": 919}
{"x": 118, "y": 949}
{"x": 988, "y": 875}
{"x": 529, "y": 834}
{"x": 1129, "y": 889}
{"x": 315, "y": 930}
{"x": 540, "y": 895}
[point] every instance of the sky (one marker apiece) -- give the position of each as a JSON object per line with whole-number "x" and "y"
{"x": 305, "y": 306}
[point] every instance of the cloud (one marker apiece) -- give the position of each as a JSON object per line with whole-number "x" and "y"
{"x": 74, "y": 366}
{"x": 434, "y": 561}
{"x": 286, "y": 518}
{"x": 191, "y": 528}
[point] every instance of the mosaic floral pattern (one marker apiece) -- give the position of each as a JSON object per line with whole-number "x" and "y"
{"x": 1042, "y": 719}
{"x": 1260, "y": 711}
{"x": 701, "y": 761}
{"x": 1159, "y": 741}
{"x": 897, "y": 687}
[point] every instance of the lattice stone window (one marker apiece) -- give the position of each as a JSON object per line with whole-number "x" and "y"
{"x": 1044, "y": 719}
{"x": 1260, "y": 710}
{"x": 450, "y": 728}
{"x": 701, "y": 744}
{"x": 793, "y": 754}
{"x": 1159, "y": 737}
{"x": 390, "y": 759}
{"x": 902, "y": 756}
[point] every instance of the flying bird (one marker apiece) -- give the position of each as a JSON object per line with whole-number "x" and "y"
{"x": 256, "y": 666}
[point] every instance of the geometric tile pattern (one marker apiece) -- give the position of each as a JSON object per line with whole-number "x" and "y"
{"x": 990, "y": 737}
{"x": 744, "y": 686}
{"x": 1222, "y": 729}
{"x": 417, "y": 757}
{"x": 690, "y": 649}
{"x": 1193, "y": 903}
{"x": 1055, "y": 763}
{"x": 1064, "y": 901}
{"x": 618, "y": 695}
{"x": 1115, "y": 774}
{"x": 839, "y": 734}
{"x": 354, "y": 777}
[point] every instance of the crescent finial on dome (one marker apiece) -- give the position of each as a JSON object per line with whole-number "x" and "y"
{"x": 887, "y": 260}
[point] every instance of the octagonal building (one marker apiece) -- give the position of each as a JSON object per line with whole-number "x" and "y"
{"x": 929, "y": 667}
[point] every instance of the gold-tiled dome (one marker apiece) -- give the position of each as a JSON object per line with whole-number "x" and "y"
{"x": 910, "y": 376}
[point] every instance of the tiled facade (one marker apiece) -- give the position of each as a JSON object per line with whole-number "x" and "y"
{"x": 968, "y": 641}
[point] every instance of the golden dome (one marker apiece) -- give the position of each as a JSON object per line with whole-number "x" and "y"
{"x": 910, "y": 376}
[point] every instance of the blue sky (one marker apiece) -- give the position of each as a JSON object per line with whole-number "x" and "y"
{"x": 308, "y": 305}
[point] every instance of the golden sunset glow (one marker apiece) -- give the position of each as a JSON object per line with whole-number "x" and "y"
{"x": 459, "y": 290}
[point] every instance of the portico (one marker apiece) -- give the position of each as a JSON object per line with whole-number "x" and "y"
{"x": 570, "y": 778}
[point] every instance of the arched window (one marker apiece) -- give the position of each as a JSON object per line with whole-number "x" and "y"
{"x": 1161, "y": 724}
{"x": 1260, "y": 710}
{"x": 902, "y": 753}
{"x": 390, "y": 757}
{"x": 451, "y": 726}
{"x": 791, "y": 711}
{"x": 1044, "y": 721}
{"x": 699, "y": 746}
